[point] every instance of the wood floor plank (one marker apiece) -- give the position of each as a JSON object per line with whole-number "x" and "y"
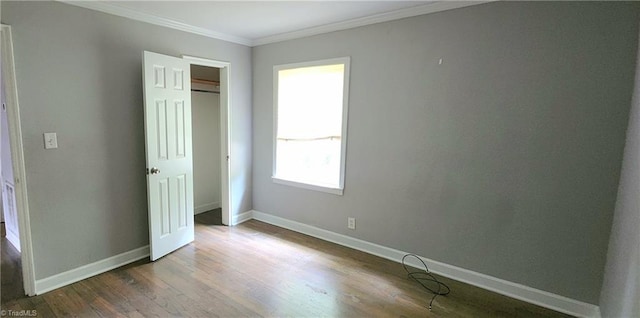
{"x": 38, "y": 304}
{"x": 102, "y": 307}
{"x": 116, "y": 299}
{"x": 143, "y": 302}
{"x": 10, "y": 272}
{"x": 259, "y": 270}
{"x": 66, "y": 302}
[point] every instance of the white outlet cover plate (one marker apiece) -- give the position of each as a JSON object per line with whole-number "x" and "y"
{"x": 50, "y": 141}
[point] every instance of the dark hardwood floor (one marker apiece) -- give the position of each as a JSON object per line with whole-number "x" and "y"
{"x": 259, "y": 270}
{"x": 213, "y": 217}
{"x": 10, "y": 271}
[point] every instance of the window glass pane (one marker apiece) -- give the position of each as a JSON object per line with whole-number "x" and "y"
{"x": 316, "y": 162}
{"x": 309, "y": 108}
{"x": 310, "y": 102}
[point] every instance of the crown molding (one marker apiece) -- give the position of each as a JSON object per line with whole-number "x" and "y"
{"x": 432, "y": 7}
{"x": 110, "y": 8}
{"x": 436, "y": 6}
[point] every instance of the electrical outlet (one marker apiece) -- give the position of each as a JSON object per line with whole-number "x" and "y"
{"x": 351, "y": 223}
{"x": 50, "y": 141}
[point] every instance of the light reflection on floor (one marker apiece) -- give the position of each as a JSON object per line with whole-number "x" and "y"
{"x": 312, "y": 278}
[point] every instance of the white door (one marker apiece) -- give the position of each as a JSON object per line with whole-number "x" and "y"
{"x": 10, "y": 214}
{"x": 9, "y": 208}
{"x": 167, "y": 119}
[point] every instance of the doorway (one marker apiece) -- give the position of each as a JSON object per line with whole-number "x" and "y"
{"x": 11, "y": 275}
{"x": 13, "y": 182}
{"x": 206, "y": 139}
{"x": 210, "y": 69}
{"x": 169, "y": 149}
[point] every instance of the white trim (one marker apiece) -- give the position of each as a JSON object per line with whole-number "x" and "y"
{"x": 308, "y": 186}
{"x": 114, "y": 9}
{"x": 206, "y": 62}
{"x": 225, "y": 132}
{"x": 206, "y": 207}
{"x": 433, "y": 7}
{"x": 77, "y": 274}
{"x": 500, "y": 286}
{"x": 242, "y": 217}
{"x": 110, "y": 8}
{"x": 17, "y": 156}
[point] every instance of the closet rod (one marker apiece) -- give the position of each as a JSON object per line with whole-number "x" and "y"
{"x": 203, "y": 91}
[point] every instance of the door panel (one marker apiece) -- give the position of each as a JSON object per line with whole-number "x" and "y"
{"x": 167, "y": 95}
{"x": 10, "y": 214}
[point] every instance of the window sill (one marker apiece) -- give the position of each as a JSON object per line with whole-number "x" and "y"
{"x": 336, "y": 191}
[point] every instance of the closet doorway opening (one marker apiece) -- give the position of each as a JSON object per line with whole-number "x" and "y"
{"x": 210, "y": 135}
{"x": 206, "y": 137}
{"x": 10, "y": 242}
{"x": 16, "y": 242}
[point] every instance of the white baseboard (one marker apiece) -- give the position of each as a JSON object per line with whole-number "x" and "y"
{"x": 500, "y": 286}
{"x": 242, "y": 217}
{"x": 206, "y": 207}
{"x": 71, "y": 276}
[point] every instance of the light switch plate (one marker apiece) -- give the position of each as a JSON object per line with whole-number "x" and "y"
{"x": 351, "y": 223}
{"x": 50, "y": 141}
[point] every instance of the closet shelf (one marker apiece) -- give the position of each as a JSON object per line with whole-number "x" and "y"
{"x": 206, "y": 82}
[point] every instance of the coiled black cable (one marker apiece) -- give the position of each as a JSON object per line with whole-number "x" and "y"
{"x": 423, "y": 277}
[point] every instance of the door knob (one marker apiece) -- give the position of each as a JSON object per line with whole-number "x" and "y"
{"x": 155, "y": 170}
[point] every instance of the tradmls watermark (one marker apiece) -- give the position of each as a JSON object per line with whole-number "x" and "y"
{"x": 18, "y": 313}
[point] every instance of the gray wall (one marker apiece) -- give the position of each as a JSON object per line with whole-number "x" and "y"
{"x": 79, "y": 74}
{"x": 205, "y": 117}
{"x": 503, "y": 160}
{"x": 620, "y": 295}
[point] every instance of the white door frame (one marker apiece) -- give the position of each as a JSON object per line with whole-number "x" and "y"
{"x": 17, "y": 155}
{"x": 225, "y": 115}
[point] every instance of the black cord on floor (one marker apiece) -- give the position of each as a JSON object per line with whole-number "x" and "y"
{"x": 423, "y": 277}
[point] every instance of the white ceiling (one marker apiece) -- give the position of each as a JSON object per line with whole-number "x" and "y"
{"x": 260, "y": 22}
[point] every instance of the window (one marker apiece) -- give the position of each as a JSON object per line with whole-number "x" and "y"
{"x": 310, "y": 120}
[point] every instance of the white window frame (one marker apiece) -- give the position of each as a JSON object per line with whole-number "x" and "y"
{"x": 343, "y": 139}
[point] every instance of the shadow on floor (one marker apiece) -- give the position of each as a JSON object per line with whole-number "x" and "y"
{"x": 213, "y": 217}
{"x": 10, "y": 272}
